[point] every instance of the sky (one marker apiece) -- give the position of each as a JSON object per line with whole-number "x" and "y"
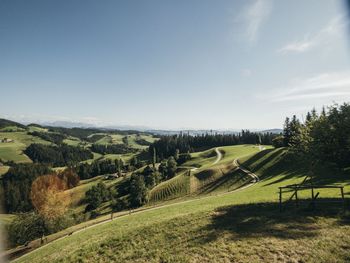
{"x": 166, "y": 64}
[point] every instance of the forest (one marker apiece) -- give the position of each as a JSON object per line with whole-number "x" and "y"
{"x": 61, "y": 155}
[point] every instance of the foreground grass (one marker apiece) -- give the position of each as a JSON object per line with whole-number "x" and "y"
{"x": 222, "y": 228}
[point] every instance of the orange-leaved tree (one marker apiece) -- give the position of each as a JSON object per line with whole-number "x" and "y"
{"x": 49, "y": 197}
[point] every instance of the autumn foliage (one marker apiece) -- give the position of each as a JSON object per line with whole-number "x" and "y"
{"x": 49, "y": 197}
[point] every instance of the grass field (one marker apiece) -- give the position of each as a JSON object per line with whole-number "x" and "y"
{"x": 131, "y": 139}
{"x": 178, "y": 186}
{"x": 35, "y": 128}
{"x": 13, "y": 151}
{"x": 72, "y": 141}
{"x": 243, "y": 226}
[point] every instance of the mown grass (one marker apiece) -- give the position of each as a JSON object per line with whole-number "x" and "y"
{"x": 242, "y": 226}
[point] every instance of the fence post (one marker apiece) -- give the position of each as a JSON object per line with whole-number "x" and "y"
{"x": 296, "y": 197}
{"x": 342, "y": 196}
{"x": 280, "y": 199}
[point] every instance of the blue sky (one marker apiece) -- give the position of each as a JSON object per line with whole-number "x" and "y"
{"x": 172, "y": 64}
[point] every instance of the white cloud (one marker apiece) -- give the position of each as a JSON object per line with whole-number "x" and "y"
{"x": 330, "y": 33}
{"x": 253, "y": 17}
{"x": 328, "y": 86}
{"x": 298, "y": 46}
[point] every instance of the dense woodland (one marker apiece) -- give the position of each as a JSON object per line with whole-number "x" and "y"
{"x": 61, "y": 155}
{"x": 184, "y": 143}
{"x": 17, "y": 184}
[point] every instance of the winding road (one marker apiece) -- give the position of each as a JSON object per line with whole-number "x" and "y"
{"x": 219, "y": 157}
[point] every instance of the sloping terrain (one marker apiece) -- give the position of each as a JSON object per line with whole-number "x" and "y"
{"x": 222, "y": 228}
{"x": 20, "y": 137}
{"x": 176, "y": 187}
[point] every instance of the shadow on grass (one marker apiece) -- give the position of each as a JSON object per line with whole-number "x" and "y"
{"x": 265, "y": 220}
{"x": 229, "y": 181}
{"x": 285, "y": 166}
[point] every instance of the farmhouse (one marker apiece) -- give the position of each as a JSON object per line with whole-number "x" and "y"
{"x": 5, "y": 140}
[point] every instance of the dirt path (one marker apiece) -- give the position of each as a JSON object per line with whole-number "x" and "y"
{"x": 219, "y": 156}
{"x": 235, "y": 162}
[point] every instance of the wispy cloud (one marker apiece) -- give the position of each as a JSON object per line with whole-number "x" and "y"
{"x": 253, "y": 17}
{"x": 330, "y": 86}
{"x": 329, "y": 33}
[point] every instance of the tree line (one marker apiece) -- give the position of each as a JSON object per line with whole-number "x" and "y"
{"x": 322, "y": 137}
{"x": 98, "y": 167}
{"x": 112, "y": 148}
{"x": 184, "y": 143}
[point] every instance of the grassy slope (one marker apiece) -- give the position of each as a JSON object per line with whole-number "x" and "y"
{"x": 212, "y": 230}
{"x": 14, "y": 150}
{"x": 178, "y": 186}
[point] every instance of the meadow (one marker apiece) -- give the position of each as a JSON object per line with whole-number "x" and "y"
{"x": 242, "y": 225}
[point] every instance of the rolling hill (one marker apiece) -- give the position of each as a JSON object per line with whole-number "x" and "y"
{"x": 242, "y": 225}
{"x": 21, "y": 136}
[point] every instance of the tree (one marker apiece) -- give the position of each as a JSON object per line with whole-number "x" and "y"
{"x": 278, "y": 142}
{"x": 148, "y": 174}
{"x": 154, "y": 159}
{"x": 171, "y": 167}
{"x": 70, "y": 177}
{"x": 138, "y": 191}
{"x": 134, "y": 161}
{"x": 48, "y": 196}
{"x": 96, "y": 195}
{"x": 286, "y": 132}
{"x": 26, "y": 227}
{"x": 176, "y": 155}
{"x": 183, "y": 157}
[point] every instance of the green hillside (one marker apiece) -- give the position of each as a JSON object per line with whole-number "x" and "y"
{"x": 7, "y": 124}
{"x": 179, "y": 186}
{"x": 238, "y": 226}
{"x": 22, "y": 136}
{"x": 13, "y": 151}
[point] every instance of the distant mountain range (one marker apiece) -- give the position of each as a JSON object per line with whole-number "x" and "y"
{"x": 69, "y": 124}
